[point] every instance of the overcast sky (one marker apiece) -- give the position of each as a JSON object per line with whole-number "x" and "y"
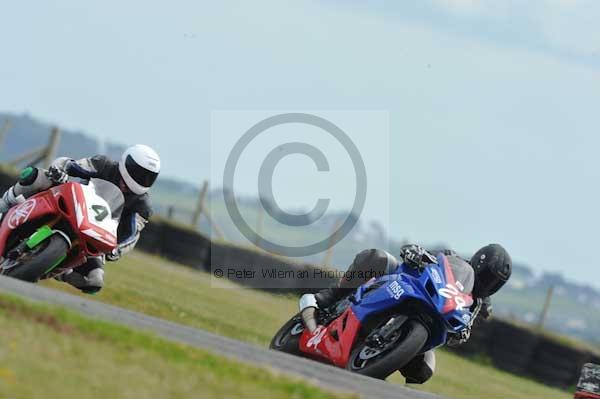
{"x": 488, "y": 109}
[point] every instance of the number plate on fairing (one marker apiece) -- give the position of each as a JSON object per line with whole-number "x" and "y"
{"x": 98, "y": 211}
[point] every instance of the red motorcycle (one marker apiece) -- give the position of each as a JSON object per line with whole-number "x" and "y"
{"x": 57, "y": 229}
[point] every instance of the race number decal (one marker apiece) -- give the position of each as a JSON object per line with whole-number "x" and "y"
{"x": 452, "y": 292}
{"x": 21, "y": 213}
{"x": 97, "y": 213}
{"x": 101, "y": 212}
{"x": 317, "y": 337}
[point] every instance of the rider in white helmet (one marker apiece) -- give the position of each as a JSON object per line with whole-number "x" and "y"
{"x": 134, "y": 174}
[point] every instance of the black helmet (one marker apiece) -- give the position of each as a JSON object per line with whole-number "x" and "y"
{"x": 492, "y": 266}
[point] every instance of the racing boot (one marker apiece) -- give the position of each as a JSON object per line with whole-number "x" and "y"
{"x": 16, "y": 194}
{"x": 8, "y": 200}
{"x": 88, "y": 278}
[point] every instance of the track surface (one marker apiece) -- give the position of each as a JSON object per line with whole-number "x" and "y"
{"x": 324, "y": 376}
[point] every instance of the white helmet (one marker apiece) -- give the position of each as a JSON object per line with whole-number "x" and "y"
{"x": 139, "y": 168}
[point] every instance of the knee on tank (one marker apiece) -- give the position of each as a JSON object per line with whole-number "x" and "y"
{"x": 375, "y": 260}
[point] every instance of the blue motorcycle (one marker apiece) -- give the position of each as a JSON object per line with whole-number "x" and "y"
{"x": 388, "y": 320}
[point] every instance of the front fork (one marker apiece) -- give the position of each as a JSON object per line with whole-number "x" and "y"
{"x": 34, "y": 240}
{"x": 381, "y": 337}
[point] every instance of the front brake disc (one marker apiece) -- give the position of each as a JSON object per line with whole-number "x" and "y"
{"x": 368, "y": 353}
{"x": 297, "y": 329}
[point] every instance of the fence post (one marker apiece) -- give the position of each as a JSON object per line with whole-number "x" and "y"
{"x": 329, "y": 252}
{"x": 544, "y": 313}
{"x": 4, "y": 131}
{"x": 44, "y": 154}
{"x": 50, "y": 152}
{"x": 259, "y": 224}
{"x": 200, "y": 206}
{"x": 214, "y": 226}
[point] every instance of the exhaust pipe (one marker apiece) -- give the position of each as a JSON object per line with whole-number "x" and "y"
{"x": 308, "y": 307}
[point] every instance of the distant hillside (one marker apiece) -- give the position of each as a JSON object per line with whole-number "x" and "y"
{"x": 27, "y": 133}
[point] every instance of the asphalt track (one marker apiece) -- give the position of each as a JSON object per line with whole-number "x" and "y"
{"x": 324, "y": 376}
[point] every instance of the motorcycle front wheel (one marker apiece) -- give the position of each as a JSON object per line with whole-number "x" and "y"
{"x": 34, "y": 264}
{"x": 287, "y": 339}
{"x": 380, "y": 364}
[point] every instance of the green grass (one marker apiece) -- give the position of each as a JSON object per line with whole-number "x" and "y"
{"x": 156, "y": 287}
{"x": 462, "y": 378}
{"x": 48, "y": 352}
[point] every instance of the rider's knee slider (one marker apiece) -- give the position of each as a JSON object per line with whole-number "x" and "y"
{"x": 373, "y": 262}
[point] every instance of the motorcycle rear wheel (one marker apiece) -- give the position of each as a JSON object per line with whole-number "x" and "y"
{"x": 386, "y": 363}
{"x": 34, "y": 264}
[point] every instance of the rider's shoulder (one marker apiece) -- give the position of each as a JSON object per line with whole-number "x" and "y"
{"x": 101, "y": 161}
{"x": 96, "y": 164}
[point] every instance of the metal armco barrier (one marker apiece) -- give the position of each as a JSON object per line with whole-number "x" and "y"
{"x": 527, "y": 353}
{"x": 185, "y": 246}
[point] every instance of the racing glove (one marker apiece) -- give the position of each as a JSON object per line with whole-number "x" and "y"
{"x": 138, "y": 223}
{"x": 416, "y": 256}
{"x": 486, "y": 308}
{"x": 57, "y": 175}
{"x": 114, "y": 255}
{"x": 459, "y": 338}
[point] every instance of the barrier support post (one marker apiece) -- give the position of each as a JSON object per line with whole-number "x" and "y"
{"x": 544, "y": 313}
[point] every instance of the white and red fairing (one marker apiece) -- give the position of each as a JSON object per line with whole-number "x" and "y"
{"x": 72, "y": 202}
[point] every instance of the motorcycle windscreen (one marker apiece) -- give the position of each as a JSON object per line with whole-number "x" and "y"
{"x": 463, "y": 273}
{"x": 111, "y": 194}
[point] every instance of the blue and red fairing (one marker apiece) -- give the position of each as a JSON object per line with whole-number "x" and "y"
{"x": 443, "y": 290}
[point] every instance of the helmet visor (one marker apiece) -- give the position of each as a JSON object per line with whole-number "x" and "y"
{"x": 488, "y": 283}
{"x": 139, "y": 174}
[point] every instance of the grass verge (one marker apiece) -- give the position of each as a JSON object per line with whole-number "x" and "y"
{"x": 49, "y": 352}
